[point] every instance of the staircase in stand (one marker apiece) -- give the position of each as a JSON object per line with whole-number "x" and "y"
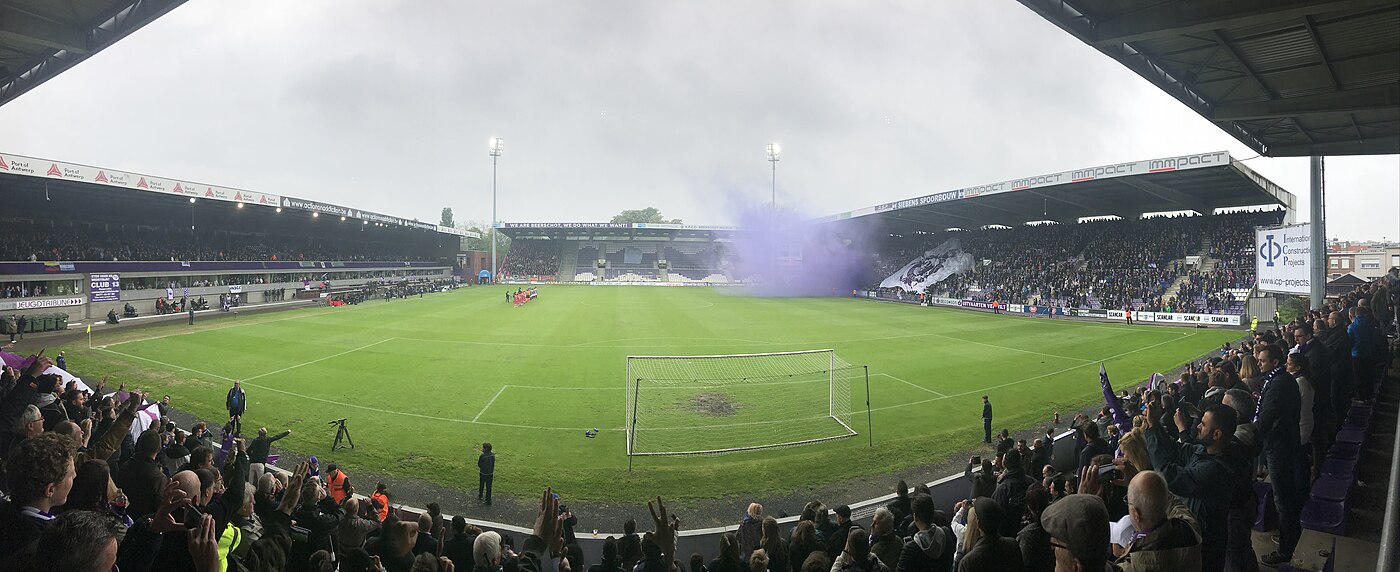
{"x": 568, "y": 261}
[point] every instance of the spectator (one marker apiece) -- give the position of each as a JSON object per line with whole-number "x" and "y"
{"x": 237, "y": 405}
{"x": 338, "y": 484}
{"x": 884, "y": 543}
{"x": 750, "y": 532}
{"x": 1279, "y": 405}
{"x": 773, "y": 545}
{"x": 77, "y": 541}
{"x": 1036, "y": 553}
{"x": 379, "y": 502}
{"x": 395, "y": 547}
{"x": 1198, "y": 471}
{"x": 39, "y": 474}
{"x": 836, "y": 542}
{"x": 1168, "y": 537}
{"x": 899, "y": 507}
{"x": 261, "y": 446}
{"x": 426, "y": 542}
{"x": 630, "y": 545}
{"x": 1010, "y": 494}
{"x": 989, "y": 551}
{"x": 857, "y": 556}
{"x": 984, "y": 482}
{"x": 352, "y": 530}
{"x": 486, "y": 552}
{"x": 1239, "y": 544}
{"x": 612, "y": 561}
{"x": 486, "y": 467}
{"x": 1093, "y": 446}
{"x": 1078, "y": 527}
{"x": 804, "y": 543}
{"x": 758, "y": 561}
{"x": 730, "y": 558}
{"x": 932, "y": 546}
{"x": 141, "y": 476}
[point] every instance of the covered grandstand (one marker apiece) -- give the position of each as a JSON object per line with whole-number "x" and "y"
{"x": 617, "y": 253}
{"x": 69, "y": 232}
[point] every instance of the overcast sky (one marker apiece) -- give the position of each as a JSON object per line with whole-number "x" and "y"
{"x": 610, "y": 105}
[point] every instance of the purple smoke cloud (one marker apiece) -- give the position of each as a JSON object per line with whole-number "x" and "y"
{"x": 784, "y": 253}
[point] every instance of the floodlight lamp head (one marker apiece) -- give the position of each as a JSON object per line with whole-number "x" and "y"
{"x": 775, "y": 152}
{"x": 496, "y": 145}
{"x": 191, "y": 200}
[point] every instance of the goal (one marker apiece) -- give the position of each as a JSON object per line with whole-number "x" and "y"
{"x": 688, "y": 405}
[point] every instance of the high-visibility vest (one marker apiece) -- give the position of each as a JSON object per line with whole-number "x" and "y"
{"x": 335, "y": 482}
{"x": 229, "y": 539}
{"x": 383, "y": 504}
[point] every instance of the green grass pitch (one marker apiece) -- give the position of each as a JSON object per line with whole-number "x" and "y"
{"x": 425, "y": 381}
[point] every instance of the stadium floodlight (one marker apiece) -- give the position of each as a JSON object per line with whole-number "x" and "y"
{"x": 495, "y": 145}
{"x": 342, "y": 219}
{"x": 191, "y": 200}
{"x": 688, "y": 405}
{"x": 315, "y": 215}
{"x": 775, "y": 154}
{"x": 240, "y": 205}
{"x": 279, "y": 209}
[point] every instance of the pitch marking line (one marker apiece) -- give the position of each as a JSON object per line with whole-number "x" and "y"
{"x": 318, "y": 360}
{"x": 488, "y": 403}
{"x": 229, "y": 327}
{"x": 912, "y": 384}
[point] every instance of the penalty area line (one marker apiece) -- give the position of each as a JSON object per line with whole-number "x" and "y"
{"x": 488, "y": 403}
{"x": 910, "y": 383}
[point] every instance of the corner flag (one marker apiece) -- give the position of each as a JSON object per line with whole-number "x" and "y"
{"x": 89, "y": 328}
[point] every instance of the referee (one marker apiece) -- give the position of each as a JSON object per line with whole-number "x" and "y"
{"x": 986, "y": 420}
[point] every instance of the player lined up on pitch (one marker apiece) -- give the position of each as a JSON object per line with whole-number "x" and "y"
{"x": 522, "y": 297}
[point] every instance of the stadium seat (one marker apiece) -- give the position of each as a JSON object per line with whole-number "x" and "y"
{"x": 1325, "y": 516}
{"x": 1353, "y": 435}
{"x": 1339, "y": 468}
{"x": 1331, "y": 489}
{"x": 1344, "y": 451}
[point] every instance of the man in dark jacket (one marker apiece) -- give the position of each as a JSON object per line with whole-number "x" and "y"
{"x": 1279, "y": 408}
{"x": 1199, "y": 473}
{"x": 141, "y": 477}
{"x": 1168, "y": 537}
{"x": 986, "y": 420}
{"x": 261, "y": 446}
{"x": 318, "y": 514}
{"x": 993, "y": 552}
{"x": 1320, "y": 375}
{"x": 931, "y": 548}
{"x": 984, "y": 483}
{"x": 836, "y": 541}
{"x": 237, "y": 404}
{"x": 1011, "y": 494}
{"x": 1036, "y": 552}
{"x": 486, "y": 466}
{"x": 1094, "y": 445}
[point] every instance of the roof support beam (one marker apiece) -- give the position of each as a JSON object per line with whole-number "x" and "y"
{"x": 1373, "y": 146}
{"x": 1376, "y": 98}
{"x": 20, "y": 26}
{"x": 1090, "y": 208}
{"x": 1181, "y": 18}
{"x": 1185, "y": 201}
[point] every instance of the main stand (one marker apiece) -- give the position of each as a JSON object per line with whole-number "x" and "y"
{"x": 342, "y": 432}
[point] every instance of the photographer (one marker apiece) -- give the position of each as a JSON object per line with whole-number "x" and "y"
{"x": 1197, "y": 470}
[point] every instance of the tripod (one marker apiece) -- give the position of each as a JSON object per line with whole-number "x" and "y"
{"x": 342, "y": 432}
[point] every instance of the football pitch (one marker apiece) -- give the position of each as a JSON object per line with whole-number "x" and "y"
{"x": 425, "y": 381}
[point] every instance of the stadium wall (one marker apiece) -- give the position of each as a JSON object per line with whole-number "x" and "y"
{"x": 1167, "y": 318}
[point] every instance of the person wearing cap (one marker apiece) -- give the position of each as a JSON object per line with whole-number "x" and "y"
{"x": 991, "y": 552}
{"x": 836, "y": 541}
{"x": 337, "y": 483}
{"x": 1078, "y": 527}
{"x": 1168, "y": 536}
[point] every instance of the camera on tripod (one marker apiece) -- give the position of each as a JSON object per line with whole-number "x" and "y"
{"x": 341, "y": 433}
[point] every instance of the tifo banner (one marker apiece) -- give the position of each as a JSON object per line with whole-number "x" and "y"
{"x": 930, "y": 268}
{"x": 1283, "y": 262}
{"x": 47, "y": 169}
{"x": 104, "y": 287}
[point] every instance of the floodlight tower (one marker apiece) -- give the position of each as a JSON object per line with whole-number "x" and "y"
{"x": 775, "y": 154}
{"x": 495, "y": 145}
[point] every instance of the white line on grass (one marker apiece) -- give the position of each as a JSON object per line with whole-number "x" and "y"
{"x": 158, "y": 362}
{"x": 228, "y": 327}
{"x": 488, "y": 403}
{"x": 1020, "y": 381}
{"x": 912, "y": 384}
{"x": 318, "y": 360}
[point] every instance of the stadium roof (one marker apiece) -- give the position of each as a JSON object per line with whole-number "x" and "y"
{"x": 613, "y": 230}
{"x": 21, "y": 171}
{"x": 1288, "y": 78}
{"x": 1203, "y": 183}
{"x": 39, "y": 39}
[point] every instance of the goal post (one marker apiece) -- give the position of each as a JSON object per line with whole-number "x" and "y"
{"x": 690, "y": 405}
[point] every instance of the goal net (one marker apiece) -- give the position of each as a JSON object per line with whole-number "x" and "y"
{"x": 685, "y": 405}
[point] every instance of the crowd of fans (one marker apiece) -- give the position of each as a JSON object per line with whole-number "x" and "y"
{"x": 531, "y": 258}
{"x": 43, "y": 242}
{"x": 1102, "y": 264}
